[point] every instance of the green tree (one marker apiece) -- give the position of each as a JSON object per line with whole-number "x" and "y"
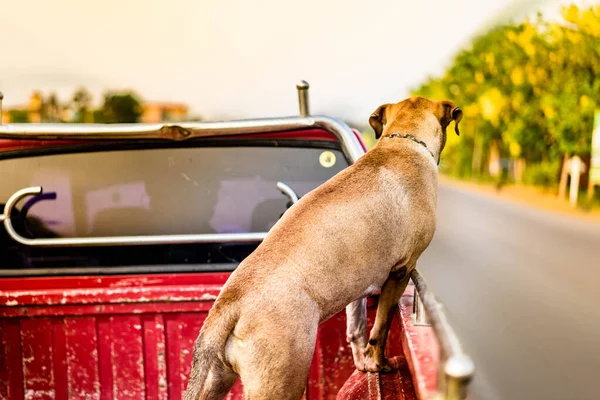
{"x": 531, "y": 88}
{"x": 121, "y": 108}
{"x": 98, "y": 116}
{"x": 82, "y": 105}
{"x": 571, "y": 93}
{"x": 18, "y": 116}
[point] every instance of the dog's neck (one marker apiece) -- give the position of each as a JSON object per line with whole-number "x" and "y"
{"x": 427, "y": 133}
{"x": 410, "y": 137}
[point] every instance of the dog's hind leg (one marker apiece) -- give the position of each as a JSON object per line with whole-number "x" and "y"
{"x": 394, "y": 286}
{"x": 274, "y": 361}
{"x": 217, "y": 382}
{"x": 277, "y": 372}
{"x": 210, "y": 378}
{"x": 356, "y": 329}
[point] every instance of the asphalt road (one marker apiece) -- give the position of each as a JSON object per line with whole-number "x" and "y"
{"x": 522, "y": 290}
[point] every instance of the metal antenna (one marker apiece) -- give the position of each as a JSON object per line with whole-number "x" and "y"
{"x": 302, "y": 87}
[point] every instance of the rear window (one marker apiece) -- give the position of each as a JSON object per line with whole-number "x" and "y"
{"x": 152, "y": 192}
{"x": 165, "y": 191}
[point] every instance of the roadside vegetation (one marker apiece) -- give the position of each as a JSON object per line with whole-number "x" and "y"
{"x": 529, "y": 93}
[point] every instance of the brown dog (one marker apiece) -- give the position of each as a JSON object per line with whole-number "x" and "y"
{"x": 360, "y": 232}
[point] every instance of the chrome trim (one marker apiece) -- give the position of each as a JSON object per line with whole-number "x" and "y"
{"x": 288, "y": 191}
{"x": 348, "y": 140}
{"x": 116, "y": 240}
{"x": 185, "y": 130}
{"x": 458, "y": 368}
{"x": 134, "y": 269}
{"x": 303, "y": 104}
{"x": 419, "y": 316}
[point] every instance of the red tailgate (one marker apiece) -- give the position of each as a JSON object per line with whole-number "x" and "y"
{"x": 108, "y": 337}
{"x": 101, "y": 337}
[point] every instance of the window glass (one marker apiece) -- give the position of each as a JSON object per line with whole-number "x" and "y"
{"x": 164, "y": 191}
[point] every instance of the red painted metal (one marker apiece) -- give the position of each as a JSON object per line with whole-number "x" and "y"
{"x": 73, "y": 347}
{"x": 420, "y": 348}
{"x": 11, "y": 144}
{"x": 360, "y": 139}
{"x": 114, "y": 295}
{"x": 155, "y": 365}
{"x": 304, "y": 134}
{"x": 11, "y": 371}
{"x": 396, "y": 385}
{"x": 110, "y": 342}
{"x": 37, "y": 355}
{"x": 105, "y": 370}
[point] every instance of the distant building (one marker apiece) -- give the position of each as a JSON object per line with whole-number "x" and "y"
{"x": 163, "y": 112}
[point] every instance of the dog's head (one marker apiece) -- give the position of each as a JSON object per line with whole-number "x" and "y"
{"x": 424, "y": 118}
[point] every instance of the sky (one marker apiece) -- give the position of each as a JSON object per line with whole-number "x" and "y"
{"x": 231, "y": 59}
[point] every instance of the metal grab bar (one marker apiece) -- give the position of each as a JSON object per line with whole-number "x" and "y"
{"x": 126, "y": 240}
{"x": 288, "y": 191}
{"x": 115, "y": 240}
{"x": 458, "y": 368}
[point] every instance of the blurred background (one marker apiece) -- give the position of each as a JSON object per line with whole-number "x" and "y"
{"x": 516, "y": 258}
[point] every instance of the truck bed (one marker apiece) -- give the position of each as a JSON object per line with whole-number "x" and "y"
{"x": 131, "y": 337}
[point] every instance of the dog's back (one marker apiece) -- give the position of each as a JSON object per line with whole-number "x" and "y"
{"x": 317, "y": 245}
{"x": 326, "y": 251}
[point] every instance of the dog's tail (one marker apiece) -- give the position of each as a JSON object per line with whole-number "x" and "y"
{"x": 208, "y": 377}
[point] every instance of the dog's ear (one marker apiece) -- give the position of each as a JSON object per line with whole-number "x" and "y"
{"x": 457, "y": 115}
{"x": 451, "y": 112}
{"x": 377, "y": 120}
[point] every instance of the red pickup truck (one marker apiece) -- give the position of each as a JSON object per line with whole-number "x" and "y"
{"x": 116, "y": 239}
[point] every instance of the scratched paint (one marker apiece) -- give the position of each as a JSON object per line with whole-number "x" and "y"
{"x": 37, "y": 359}
{"x": 127, "y": 358}
{"x": 81, "y": 342}
{"x": 131, "y": 346}
{"x": 118, "y": 295}
{"x": 119, "y": 289}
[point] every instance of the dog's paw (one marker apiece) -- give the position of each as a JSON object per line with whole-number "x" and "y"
{"x": 370, "y": 362}
{"x": 372, "y": 365}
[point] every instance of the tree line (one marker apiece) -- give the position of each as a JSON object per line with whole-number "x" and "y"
{"x": 529, "y": 93}
{"x": 116, "y": 107}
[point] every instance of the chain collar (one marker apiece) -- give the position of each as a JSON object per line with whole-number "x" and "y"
{"x": 414, "y": 139}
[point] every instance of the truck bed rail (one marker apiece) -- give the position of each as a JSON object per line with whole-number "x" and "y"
{"x": 456, "y": 367}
